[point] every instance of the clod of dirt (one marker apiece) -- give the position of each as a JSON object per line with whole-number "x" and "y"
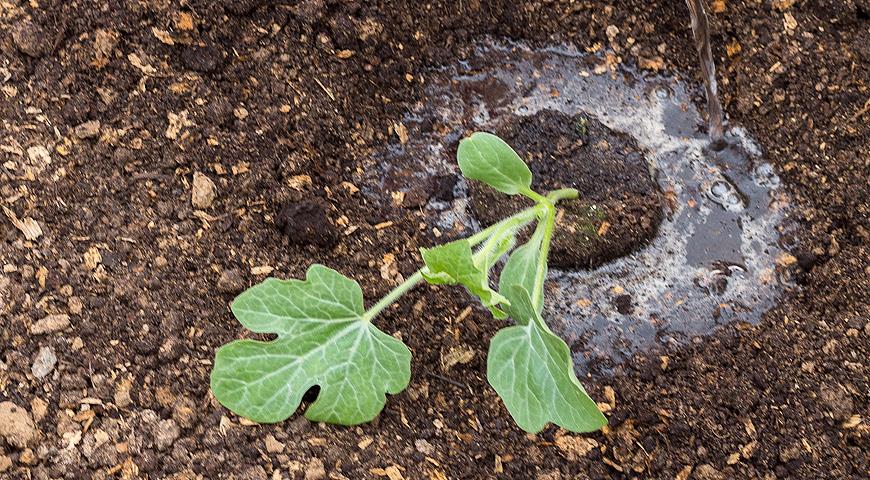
{"x": 204, "y": 191}
{"x": 307, "y": 223}
{"x": 89, "y": 129}
{"x": 619, "y": 208}
{"x": 165, "y": 434}
{"x": 231, "y": 281}
{"x": 315, "y": 470}
{"x": 242, "y": 7}
{"x": 16, "y": 426}
{"x": 50, "y": 324}
{"x": 309, "y": 11}
{"x": 31, "y": 39}
{"x": 207, "y": 59}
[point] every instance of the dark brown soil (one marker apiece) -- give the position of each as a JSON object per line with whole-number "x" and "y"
{"x": 619, "y": 208}
{"x": 284, "y": 102}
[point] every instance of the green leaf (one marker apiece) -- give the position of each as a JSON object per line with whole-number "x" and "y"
{"x": 453, "y": 263}
{"x": 521, "y": 268}
{"x": 323, "y": 340}
{"x": 532, "y": 372}
{"x": 487, "y": 158}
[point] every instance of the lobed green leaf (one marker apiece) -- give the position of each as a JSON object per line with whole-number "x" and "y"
{"x": 531, "y": 370}
{"x": 453, "y": 263}
{"x": 322, "y": 340}
{"x": 487, "y": 158}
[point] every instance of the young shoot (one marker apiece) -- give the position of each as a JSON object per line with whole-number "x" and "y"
{"x": 326, "y": 336}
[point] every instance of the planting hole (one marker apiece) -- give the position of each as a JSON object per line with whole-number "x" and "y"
{"x": 670, "y": 237}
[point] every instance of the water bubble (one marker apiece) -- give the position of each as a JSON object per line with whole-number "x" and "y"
{"x": 662, "y": 92}
{"x": 726, "y": 195}
{"x": 765, "y": 176}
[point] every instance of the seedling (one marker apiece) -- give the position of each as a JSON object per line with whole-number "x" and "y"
{"x": 325, "y": 335}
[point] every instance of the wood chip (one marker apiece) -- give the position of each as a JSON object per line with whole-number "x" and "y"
{"x": 27, "y": 226}
{"x": 853, "y": 421}
{"x": 456, "y": 355}
{"x": 401, "y": 132}
{"x": 299, "y": 182}
{"x": 184, "y": 21}
{"x": 262, "y": 270}
{"x": 383, "y": 225}
{"x": 163, "y": 36}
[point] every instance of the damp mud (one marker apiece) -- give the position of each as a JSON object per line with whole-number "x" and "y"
{"x": 705, "y": 248}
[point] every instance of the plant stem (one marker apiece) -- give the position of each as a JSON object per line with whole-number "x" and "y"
{"x": 563, "y": 194}
{"x": 544, "y": 205}
{"x": 541, "y": 270}
{"x": 394, "y": 295}
{"x": 514, "y": 221}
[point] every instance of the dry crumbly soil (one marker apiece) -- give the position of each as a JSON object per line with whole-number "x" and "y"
{"x": 109, "y": 109}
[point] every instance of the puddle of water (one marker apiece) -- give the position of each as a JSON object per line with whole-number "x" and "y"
{"x": 713, "y": 260}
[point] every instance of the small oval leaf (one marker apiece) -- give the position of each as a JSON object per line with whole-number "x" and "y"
{"x": 487, "y": 158}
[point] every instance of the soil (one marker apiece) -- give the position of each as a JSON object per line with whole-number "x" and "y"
{"x": 620, "y": 206}
{"x": 108, "y": 111}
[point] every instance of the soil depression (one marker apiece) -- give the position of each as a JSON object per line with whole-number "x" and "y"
{"x": 670, "y": 238}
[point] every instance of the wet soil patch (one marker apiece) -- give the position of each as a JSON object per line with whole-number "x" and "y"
{"x": 619, "y": 208}
{"x": 292, "y": 101}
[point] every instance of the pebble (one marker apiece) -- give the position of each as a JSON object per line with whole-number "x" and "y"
{"x": 89, "y": 129}
{"x": 315, "y": 470}
{"x": 50, "y": 324}
{"x": 16, "y": 426}
{"x": 39, "y": 408}
{"x": 204, "y": 191}
{"x": 273, "y": 445}
{"x": 43, "y": 363}
{"x": 30, "y": 39}
{"x": 165, "y": 434}
{"x": 231, "y": 281}
{"x": 5, "y": 463}
{"x": 424, "y": 447}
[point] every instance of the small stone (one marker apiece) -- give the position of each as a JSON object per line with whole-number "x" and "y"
{"x": 16, "y": 426}
{"x": 43, "y": 363}
{"x": 315, "y": 470}
{"x": 89, "y": 129}
{"x": 39, "y": 408}
{"x": 424, "y": 447}
{"x": 204, "y": 191}
{"x": 122, "y": 393}
{"x": 273, "y": 445}
{"x": 231, "y": 281}
{"x": 75, "y": 305}
{"x": 5, "y": 463}
{"x": 50, "y": 324}
{"x": 31, "y": 39}
{"x": 165, "y": 434}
